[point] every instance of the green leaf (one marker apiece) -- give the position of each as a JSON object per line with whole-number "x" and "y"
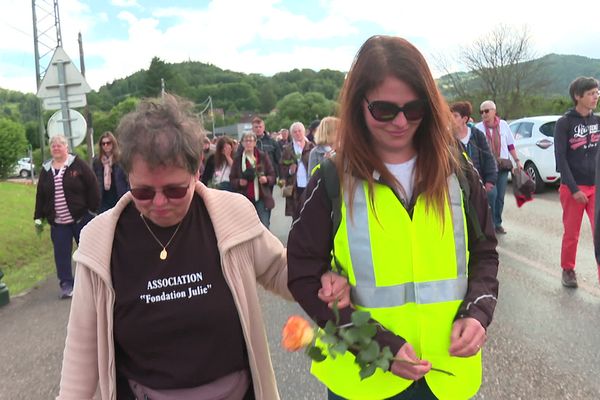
{"x": 338, "y": 348}
{"x": 315, "y": 353}
{"x": 387, "y": 353}
{"x": 329, "y": 339}
{"x": 336, "y": 312}
{"x": 359, "y": 318}
{"x": 330, "y": 328}
{"x": 367, "y": 371}
{"x": 370, "y": 352}
{"x": 350, "y": 336}
{"x": 368, "y": 331}
{"x": 383, "y": 364}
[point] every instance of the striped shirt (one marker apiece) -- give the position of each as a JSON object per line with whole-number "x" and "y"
{"x": 63, "y": 216}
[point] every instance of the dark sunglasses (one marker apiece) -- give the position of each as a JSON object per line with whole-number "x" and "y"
{"x": 172, "y": 192}
{"x": 106, "y": 143}
{"x": 384, "y": 111}
{"x": 484, "y": 111}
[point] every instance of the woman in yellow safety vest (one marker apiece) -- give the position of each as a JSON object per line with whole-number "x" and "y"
{"x": 411, "y": 229}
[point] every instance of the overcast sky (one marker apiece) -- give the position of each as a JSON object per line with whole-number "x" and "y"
{"x": 120, "y": 37}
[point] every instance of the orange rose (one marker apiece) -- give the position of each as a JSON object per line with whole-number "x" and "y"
{"x": 297, "y": 333}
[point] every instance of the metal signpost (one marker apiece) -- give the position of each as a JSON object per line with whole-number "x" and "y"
{"x": 63, "y": 88}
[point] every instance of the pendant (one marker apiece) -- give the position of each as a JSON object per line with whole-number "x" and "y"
{"x": 163, "y": 254}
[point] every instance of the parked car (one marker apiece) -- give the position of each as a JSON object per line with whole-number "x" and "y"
{"x": 534, "y": 143}
{"x": 23, "y": 168}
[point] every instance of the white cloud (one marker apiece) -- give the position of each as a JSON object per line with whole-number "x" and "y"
{"x": 124, "y": 3}
{"x": 235, "y": 34}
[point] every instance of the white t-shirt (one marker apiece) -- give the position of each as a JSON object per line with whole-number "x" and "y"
{"x": 301, "y": 175}
{"x": 506, "y": 137}
{"x": 466, "y": 139}
{"x": 404, "y": 173}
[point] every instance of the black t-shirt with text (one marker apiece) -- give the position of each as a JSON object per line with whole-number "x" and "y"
{"x": 175, "y": 321}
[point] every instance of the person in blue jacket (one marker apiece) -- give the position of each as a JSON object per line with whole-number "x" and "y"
{"x": 475, "y": 144}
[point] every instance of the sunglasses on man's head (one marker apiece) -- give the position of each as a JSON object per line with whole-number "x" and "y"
{"x": 172, "y": 192}
{"x": 105, "y": 143}
{"x": 487, "y": 110}
{"x": 385, "y": 111}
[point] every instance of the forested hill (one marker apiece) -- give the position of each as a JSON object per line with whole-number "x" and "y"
{"x": 557, "y": 70}
{"x": 231, "y": 91}
{"x": 560, "y": 70}
{"x": 234, "y": 91}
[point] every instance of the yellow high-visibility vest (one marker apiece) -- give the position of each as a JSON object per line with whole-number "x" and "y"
{"x": 411, "y": 275}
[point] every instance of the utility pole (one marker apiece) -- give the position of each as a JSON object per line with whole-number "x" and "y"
{"x": 46, "y": 21}
{"x": 87, "y": 114}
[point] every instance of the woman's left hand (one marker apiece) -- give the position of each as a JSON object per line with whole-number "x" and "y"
{"x": 262, "y": 180}
{"x": 334, "y": 287}
{"x": 467, "y": 338}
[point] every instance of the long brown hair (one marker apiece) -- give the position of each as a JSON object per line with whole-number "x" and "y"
{"x": 219, "y": 156}
{"x": 378, "y": 58}
{"x": 115, "y": 146}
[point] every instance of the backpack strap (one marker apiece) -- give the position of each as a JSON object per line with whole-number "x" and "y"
{"x": 467, "y": 167}
{"x": 331, "y": 181}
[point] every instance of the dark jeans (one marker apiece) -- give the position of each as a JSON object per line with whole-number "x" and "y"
{"x": 496, "y": 198}
{"x": 264, "y": 214}
{"x": 417, "y": 391}
{"x": 62, "y": 238}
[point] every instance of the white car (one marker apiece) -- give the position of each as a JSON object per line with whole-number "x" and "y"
{"x": 534, "y": 143}
{"x": 23, "y": 168}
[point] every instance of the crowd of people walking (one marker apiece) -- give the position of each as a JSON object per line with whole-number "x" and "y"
{"x": 178, "y": 238}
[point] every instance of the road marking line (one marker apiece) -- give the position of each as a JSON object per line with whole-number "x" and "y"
{"x": 555, "y": 272}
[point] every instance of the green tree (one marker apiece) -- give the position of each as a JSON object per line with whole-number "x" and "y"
{"x": 300, "y": 107}
{"x": 32, "y": 132}
{"x": 13, "y": 145}
{"x": 109, "y": 121}
{"x": 158, "y": 70}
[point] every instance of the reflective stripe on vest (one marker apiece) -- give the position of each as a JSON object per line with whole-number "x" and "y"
{"x": 367, "y": 294}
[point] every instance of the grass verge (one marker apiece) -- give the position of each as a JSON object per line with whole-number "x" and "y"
{"x": 25, "y": 258}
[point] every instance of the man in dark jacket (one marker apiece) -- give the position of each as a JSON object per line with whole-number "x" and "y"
{"x": 265, "y": 142}
{"x": 475, "y": 144}
{"x": 576, "y": 137}
{"x": 268, "y": 145}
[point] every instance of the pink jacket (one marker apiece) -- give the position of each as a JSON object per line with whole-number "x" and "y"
{"x": 249, "y": 254}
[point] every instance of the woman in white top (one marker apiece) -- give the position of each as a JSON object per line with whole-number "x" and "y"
{"x": 294, "y": 166}
{"x": 218, "y": 165}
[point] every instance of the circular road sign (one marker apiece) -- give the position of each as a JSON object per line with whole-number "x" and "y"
{"x": 78, "y": 126}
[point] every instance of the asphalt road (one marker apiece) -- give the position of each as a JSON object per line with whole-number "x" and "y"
{"x": 543, "y": 343}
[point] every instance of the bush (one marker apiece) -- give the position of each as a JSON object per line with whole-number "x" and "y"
{"x": 13, "y": 144}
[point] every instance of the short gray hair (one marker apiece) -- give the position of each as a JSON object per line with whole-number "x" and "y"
{"x": 249, "y": 134}
{"x": 487, "y": 104}
{"x": 62, "y": 139}
{"x": 163, "y": 132}
{"x": 297, "y": 124}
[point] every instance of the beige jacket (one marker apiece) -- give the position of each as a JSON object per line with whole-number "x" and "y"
{"x": 249, "y": 254}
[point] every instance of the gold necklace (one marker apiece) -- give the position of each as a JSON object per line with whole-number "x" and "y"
{"x": 163, "y": 253}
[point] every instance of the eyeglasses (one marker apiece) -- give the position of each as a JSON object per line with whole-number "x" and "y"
{"x": 171, "y": 192}
{"x": 487, "y": 110}
{"x": 385, "y": 111}
{"x": 105, "y": 143}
